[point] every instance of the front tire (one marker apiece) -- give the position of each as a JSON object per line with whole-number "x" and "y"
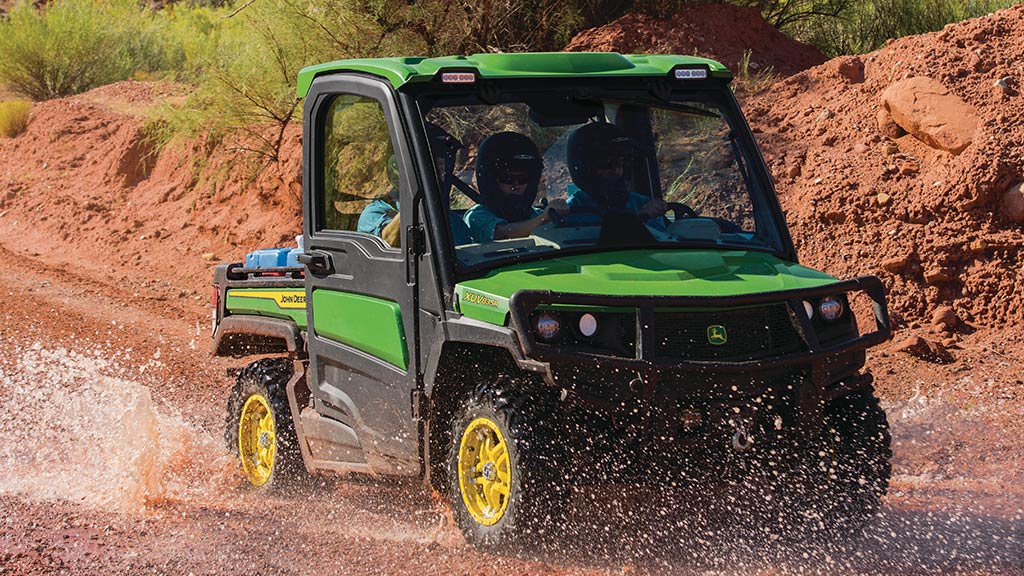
{"x": 505, "y": 469}
{"x": 861, "y": 448}
{"x": 842, "y": 480}
{"x": 259, "y": 428}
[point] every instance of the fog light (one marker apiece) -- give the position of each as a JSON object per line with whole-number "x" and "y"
{"x": 547, "y": 326}
{"x": 809, "y": 309}
{"x": 588, "y": 325}
{"x": 831, "y": 308}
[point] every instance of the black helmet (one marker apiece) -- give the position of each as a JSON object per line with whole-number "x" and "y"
{"x": 500, "y": 154}
{"x": 592, "y": 146}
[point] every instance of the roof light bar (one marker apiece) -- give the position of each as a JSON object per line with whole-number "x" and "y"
{"x": 691, "y": 73}
{"x": 458, "y": 77}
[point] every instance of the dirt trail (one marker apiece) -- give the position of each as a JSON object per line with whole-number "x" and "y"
{"x": 111, "y": 445}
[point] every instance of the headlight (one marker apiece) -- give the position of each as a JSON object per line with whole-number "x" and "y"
{"x": 588, "y": 325}
{"x": 831, "y": 308}
{"x": 547, "y": 326}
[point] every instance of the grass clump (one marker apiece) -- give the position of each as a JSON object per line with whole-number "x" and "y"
{"x": 14, "y": 117}
{"x": 865, "y": 25}
{"x": 70, "y": 46}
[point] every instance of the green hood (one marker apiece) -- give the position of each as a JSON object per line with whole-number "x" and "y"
{"x": 636, "y": 273}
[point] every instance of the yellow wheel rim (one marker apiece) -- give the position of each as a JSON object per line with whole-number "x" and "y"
{"x": 485, "y": 473}
{"x": 257, "y": 440}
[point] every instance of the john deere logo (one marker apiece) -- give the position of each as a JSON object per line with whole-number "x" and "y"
{"x": 717, "y": 335}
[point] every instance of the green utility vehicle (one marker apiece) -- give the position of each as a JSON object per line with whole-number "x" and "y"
{"x": 524, "y": 274}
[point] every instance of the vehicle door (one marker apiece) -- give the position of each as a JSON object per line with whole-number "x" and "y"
{"x": 359, "y": 294}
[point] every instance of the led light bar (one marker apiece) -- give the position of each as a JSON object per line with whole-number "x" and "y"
{"x": 458, "y": 77}
{"x": 691, "y": 73}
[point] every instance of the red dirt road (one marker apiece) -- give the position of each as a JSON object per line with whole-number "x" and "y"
{"x": 93, "y": 488}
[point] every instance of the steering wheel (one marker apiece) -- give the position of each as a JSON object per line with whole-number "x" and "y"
{"x": 680, "y": 211}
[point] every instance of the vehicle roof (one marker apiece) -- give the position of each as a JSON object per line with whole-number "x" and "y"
{"x": 402, "y": 71}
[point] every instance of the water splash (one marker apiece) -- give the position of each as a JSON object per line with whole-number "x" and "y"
{"x": 76, "y": 428}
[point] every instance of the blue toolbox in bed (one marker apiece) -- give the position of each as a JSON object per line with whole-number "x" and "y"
{"x": 273, "y": 258}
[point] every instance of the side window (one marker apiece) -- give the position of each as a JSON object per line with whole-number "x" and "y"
{"x": 360, "y": 174}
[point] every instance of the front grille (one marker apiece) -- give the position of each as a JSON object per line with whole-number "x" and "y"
{"x": 749, "y": 334}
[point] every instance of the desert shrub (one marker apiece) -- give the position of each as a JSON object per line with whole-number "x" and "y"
{"x": 73, "y": 45}
{"x": 14, "y": 117}
{"x": 865, "y": 25}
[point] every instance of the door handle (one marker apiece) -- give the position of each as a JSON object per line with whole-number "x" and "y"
{"x": 319, "y": 263}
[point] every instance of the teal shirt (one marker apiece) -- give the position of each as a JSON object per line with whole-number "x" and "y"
{"x": 376, "y": 216}
{"x": 585, "y": 211}
{"x": 482, "y": 222}
{"x": 379, "y": 213}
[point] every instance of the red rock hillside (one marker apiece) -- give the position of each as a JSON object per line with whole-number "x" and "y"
{"x": 718, "y": 31}
{"x": 907, "y": 163}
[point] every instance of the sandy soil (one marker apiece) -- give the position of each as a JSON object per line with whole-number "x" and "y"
{"x": 111, "y": 444}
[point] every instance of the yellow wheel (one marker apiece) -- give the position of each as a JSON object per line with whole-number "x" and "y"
{"x": 485, "y": 472}
{"x": 506, "y": 462}
{"x": 257, "y": 441}
{"x": 259, "y": 425}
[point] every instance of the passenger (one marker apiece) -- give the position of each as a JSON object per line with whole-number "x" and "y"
{"x": 382, "y": 210}
{"x": 600, "y": 156}
{"x": 381, "y": 216}
{"x": 508, "y": 168}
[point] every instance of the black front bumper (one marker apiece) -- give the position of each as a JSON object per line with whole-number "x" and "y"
{"x": 640, "y": 400}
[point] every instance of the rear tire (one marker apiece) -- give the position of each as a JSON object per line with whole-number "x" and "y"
{"x": 505, "y": 467}
{"x": 259, "y": 428}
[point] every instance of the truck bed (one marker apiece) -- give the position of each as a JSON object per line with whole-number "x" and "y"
{"x": 258, "y": 309}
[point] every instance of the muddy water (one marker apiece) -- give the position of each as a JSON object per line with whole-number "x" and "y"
{"x": 84, "y": 427}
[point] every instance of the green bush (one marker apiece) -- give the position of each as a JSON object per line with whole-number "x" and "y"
{"x": 865, "y": 25}
{"x": 70, "y": 46}
{"x": 14, "y": 117}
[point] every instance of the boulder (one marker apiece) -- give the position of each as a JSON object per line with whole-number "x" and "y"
{"x": 934, "y": 115}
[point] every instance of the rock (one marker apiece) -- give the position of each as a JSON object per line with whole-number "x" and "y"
{"x": 978, "y": 246}
{"x": 923, "y": 348}
{"x": 860, "y": 148}
{"x": 1003, "y": 85}
{"x": 208, "y": 256}
{"x": 883, "y": 199}
{"x": 944, "y": 315}
{"x": 850, "y": 67}
{"x": 928, "y": 110}
{"x": 895, "y": 265}
{"x": 889, "y": 149}
{"x": 938, "y": 275}
{"x": 1012, "y": 205}
{"x": 887, "y": 126}
{"x": 976, "y": 63}
{"x": 909, "y": 168}
{"x": 793, "y": 171}
{"x": 825, "y": 114}
{"x": 836, "y": 217}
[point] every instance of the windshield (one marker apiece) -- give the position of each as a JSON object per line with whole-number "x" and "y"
{"x": 538, "y": 175}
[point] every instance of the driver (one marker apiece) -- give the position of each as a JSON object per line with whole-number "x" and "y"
{"x": 508, "y": 167}
{"x": 599, "y": 156}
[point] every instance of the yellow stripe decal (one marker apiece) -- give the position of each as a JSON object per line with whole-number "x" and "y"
{"x": 284, "y": 300}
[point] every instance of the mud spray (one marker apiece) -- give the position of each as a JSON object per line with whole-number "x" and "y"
{"x": 76, "y": 427}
